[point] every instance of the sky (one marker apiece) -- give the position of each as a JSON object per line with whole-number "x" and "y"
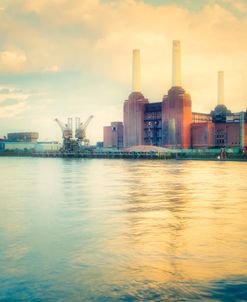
{"x": 68, "y": 58}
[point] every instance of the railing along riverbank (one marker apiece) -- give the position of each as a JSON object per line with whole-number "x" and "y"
{"x": 130, "y": 155}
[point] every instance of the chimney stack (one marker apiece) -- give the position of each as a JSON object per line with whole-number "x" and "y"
{"x": 136, "y": 71}
{"x": 221, "y": 88}
{"x": 176, "y": 64}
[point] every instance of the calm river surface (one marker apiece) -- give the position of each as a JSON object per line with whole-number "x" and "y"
{"x": 119, "y": 230}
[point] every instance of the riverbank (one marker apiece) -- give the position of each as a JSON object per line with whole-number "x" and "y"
{"x": 130, "y": 155}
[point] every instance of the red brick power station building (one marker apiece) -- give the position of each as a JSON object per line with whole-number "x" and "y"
{"x": 171, "y": 122}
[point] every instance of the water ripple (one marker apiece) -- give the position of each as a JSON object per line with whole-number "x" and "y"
{"x": 122, "y": 230}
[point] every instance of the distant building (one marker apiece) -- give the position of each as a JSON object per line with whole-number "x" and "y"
{"x": 117, "y": 134}
{"x": 23, "y": 137}
{"x": 48, "y": 146}
{"x": 134, "y": 119}
{"x": 165, "y": 123}
{"x": 6, "y": 145}
{"x": 2, "y": 145}
{"x": 176, "y": 108}
{"x": 100, "y": 144}
{"x": 171, "y": 123}
{"x": 113, "y": 135}
{"x": 107, "y": 137}
{"x": 201, "y": 117}
{"x": 17, "y": 146}
{"x": 202, "y": 135}
{"x": 177, "y": 119}
{"x": 153, "y": 124}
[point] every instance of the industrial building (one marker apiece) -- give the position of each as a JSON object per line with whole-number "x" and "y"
{"x": 8, "y": 146}
{"x": 74, "y": 143}
{"x": 27, "y": 141}
{"x": 171, "y": 123}
{"x": 113, "y": 135}
{"x": 153, "y": 124}
{"x": 27, "y": 137}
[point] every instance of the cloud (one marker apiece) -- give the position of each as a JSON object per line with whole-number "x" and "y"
{"x": 13, "y": 93}
{"x": 53, "y": 38}
{"x": 10, "y": 102}
{"x": 12, "y": 61}
{"x": 5, "y": 90}
{"x": 19, "y": 102}
{"x": 53, "y": 68}
{"x": 238, "y": 5}
{"x": 10, "y": 108}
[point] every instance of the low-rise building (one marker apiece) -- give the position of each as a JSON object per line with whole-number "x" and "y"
{"x": 23, "y": 137}
{"x": 113, "y": 135}
{"x": 202, "y": 135}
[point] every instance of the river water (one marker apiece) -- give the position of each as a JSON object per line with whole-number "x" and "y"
{"x": 122, "y": 230}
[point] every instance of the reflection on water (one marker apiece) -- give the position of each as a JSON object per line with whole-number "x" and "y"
{"x": 118, "y": 230}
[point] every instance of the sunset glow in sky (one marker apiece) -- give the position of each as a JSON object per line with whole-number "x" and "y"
{"x": 62, "y": 58}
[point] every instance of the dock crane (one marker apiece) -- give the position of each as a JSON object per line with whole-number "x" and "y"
{"x": 80, "y": 132}
{"x": 67, "y": 133}
{"x": 66, "y": 128}
{"x": 69, "y": 143}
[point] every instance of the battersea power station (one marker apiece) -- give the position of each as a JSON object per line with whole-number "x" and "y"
{"x": 171, "y": 122}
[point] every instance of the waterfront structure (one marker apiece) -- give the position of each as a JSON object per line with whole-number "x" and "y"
{"x": 230, "y": 129}
{"x": 117, "y": 134}
{"x": 6, "y": 145}
{"x": 176, "y": 119}
{"x": 100, "y": 145}
{"x": 176, "y": 108}
{"x": 171, "y": 123}
{"x": 23, "y": 137}
{"x": 48, "y": 146}
{"x": 133, "y": 111}
{"x": 26, "y": 141}
{"x": 134, "y": 119}
{"x": 198, "y": 117}
{"x": 107, "y": 137}
{"x": 71, "y": 144}
{"x": 202, "y": 135}
{"x": 113, "y": 135}
{"x": 153, "y": 124}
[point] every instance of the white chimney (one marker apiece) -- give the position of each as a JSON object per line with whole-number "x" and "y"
{"x": 221, "y": 88}
{"x": 176, "y": 64}
{"x": 136, "y": 71}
